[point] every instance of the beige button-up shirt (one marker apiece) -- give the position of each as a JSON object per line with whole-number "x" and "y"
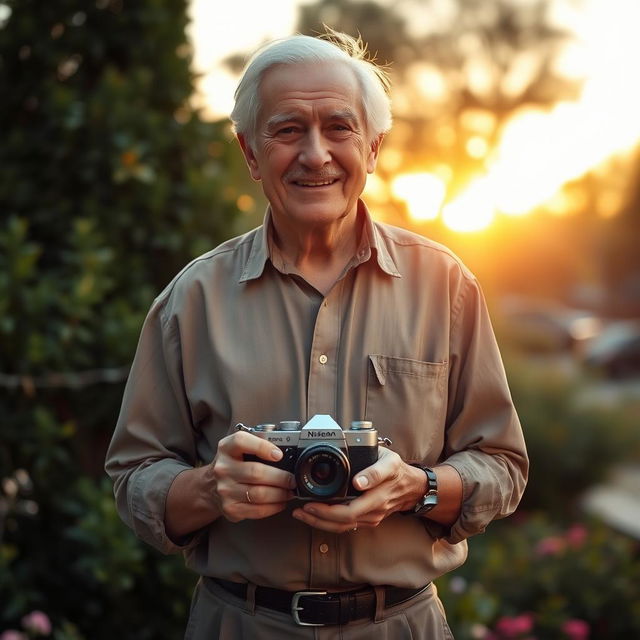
{"x": 403, "y": 339}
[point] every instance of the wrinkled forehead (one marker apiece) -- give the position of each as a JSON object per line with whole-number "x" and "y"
{"x": 331, "y": 86}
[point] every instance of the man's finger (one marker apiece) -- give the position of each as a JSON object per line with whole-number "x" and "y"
{"x": 241, "y": 443}
{"x": 257, "y": 473}
{"x": 338, "y": 513}
{"x": 243, "y": 511}
{"x": 260, "y": 494}
{"x": 313, "y": 519}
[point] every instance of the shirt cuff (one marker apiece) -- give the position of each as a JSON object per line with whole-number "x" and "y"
{"x": 479, "y": 502}
{"x": 148, "y": 496}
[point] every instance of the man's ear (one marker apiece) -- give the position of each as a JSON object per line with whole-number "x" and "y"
{"x": 374, "y": 152}
{"x": 249, "y": 156}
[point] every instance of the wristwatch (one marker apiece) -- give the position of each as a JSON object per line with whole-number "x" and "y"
{"x": 430, "y": 499}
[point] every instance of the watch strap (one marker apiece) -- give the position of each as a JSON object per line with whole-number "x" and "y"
{"x": 430, "y": 498}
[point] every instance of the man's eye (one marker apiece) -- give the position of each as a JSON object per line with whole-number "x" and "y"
{"x": 287, "y": 130}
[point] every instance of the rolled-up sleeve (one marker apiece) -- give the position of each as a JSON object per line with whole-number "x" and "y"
{"x": 154, "y": 438}
{"x": 484, "y": 440}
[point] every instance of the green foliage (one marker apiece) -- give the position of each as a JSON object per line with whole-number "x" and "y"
{"x": 540, "y": 573}
{"x": 70, "y": 555}
{"x": 109, "y": 183}
{"x": 538, "y": 579}
{"x": 109, "y": 180}
{"x": 572, "y": 444}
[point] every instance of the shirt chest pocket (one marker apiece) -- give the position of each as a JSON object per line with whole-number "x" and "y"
{"x": 406, "y": 400}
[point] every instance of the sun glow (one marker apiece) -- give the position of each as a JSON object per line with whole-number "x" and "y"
{"x": 540, "y": 151}
{"x": 423, "y": 192}
{"x": 472, "y": 210}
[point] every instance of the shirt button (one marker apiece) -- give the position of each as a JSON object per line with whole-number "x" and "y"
{"x": 324, "y": 548}
{"x": 323, "y": 359}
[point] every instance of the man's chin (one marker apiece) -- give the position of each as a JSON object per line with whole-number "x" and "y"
{"x": 317, "y": 213}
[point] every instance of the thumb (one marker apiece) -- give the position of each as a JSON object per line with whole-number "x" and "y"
{"x": 377, "y": 472}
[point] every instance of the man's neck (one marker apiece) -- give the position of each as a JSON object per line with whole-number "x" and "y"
{"x": 321, "y": 253}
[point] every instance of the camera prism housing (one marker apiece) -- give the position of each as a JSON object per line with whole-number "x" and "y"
{"x": 322, "y": 456}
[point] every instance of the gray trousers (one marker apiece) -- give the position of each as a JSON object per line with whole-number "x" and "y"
{"x": 217, "y": 614}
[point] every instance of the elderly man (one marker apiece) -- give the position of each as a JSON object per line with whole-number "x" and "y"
{"x": 320, "y": 310}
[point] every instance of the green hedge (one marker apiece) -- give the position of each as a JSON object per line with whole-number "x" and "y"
{"x": 573, "y": 440}
{"x": 531, "y": 578}
{"x": 109, "y": 183}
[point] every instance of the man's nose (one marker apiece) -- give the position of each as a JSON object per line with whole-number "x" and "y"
{"x": 315, "y": 151}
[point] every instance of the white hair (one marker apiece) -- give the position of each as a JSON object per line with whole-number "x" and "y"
{"x": 333, "y": 46}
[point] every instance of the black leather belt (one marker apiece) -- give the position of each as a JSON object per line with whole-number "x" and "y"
{"x": 320, "y": 608}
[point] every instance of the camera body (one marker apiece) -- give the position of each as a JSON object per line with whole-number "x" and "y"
{"x": 322, "y": 456}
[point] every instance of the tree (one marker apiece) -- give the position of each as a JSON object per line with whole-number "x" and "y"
{"x": 459, "y": 69}
{"x": 109, "y": 183}
{"x": 618, "y": 253}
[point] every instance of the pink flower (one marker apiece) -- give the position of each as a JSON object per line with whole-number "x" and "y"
{"x": 11, "y": 634}
{"x": 576, "y": 629}
{"x": 37, "y": 622}
{"x": 576, "y": 536}
{"x": 513, "y": 627}
{"x": 550, "y": 546}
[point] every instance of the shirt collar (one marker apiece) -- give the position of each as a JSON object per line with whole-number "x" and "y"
{"x": 371, "y": 239}
{"x": 259, "y": 253}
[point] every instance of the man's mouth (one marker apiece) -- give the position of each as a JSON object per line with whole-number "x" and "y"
{"x": 315, "y": 183}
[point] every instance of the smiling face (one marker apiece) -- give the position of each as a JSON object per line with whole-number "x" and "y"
{"x": 311, "y": 151}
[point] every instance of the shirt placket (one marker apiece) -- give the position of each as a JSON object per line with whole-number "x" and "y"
{"x": 321, "y": 398}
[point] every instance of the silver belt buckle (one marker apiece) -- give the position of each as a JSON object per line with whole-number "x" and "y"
{"x": 295, "y": 608}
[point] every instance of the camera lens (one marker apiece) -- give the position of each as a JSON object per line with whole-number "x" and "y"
{"x": 322, "y": 471}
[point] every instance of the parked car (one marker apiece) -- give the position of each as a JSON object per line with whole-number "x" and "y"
{"x": 616, "y": 350}
{"x": 545, "y": 327}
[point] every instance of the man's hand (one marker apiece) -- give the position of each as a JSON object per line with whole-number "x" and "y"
{"x": 389, "y": 485}
{"x": 228, "y": 487}
{"x": 249, "y": 490}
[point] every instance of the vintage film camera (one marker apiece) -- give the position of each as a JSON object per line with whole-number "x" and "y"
{"x": 322, "y": 456}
